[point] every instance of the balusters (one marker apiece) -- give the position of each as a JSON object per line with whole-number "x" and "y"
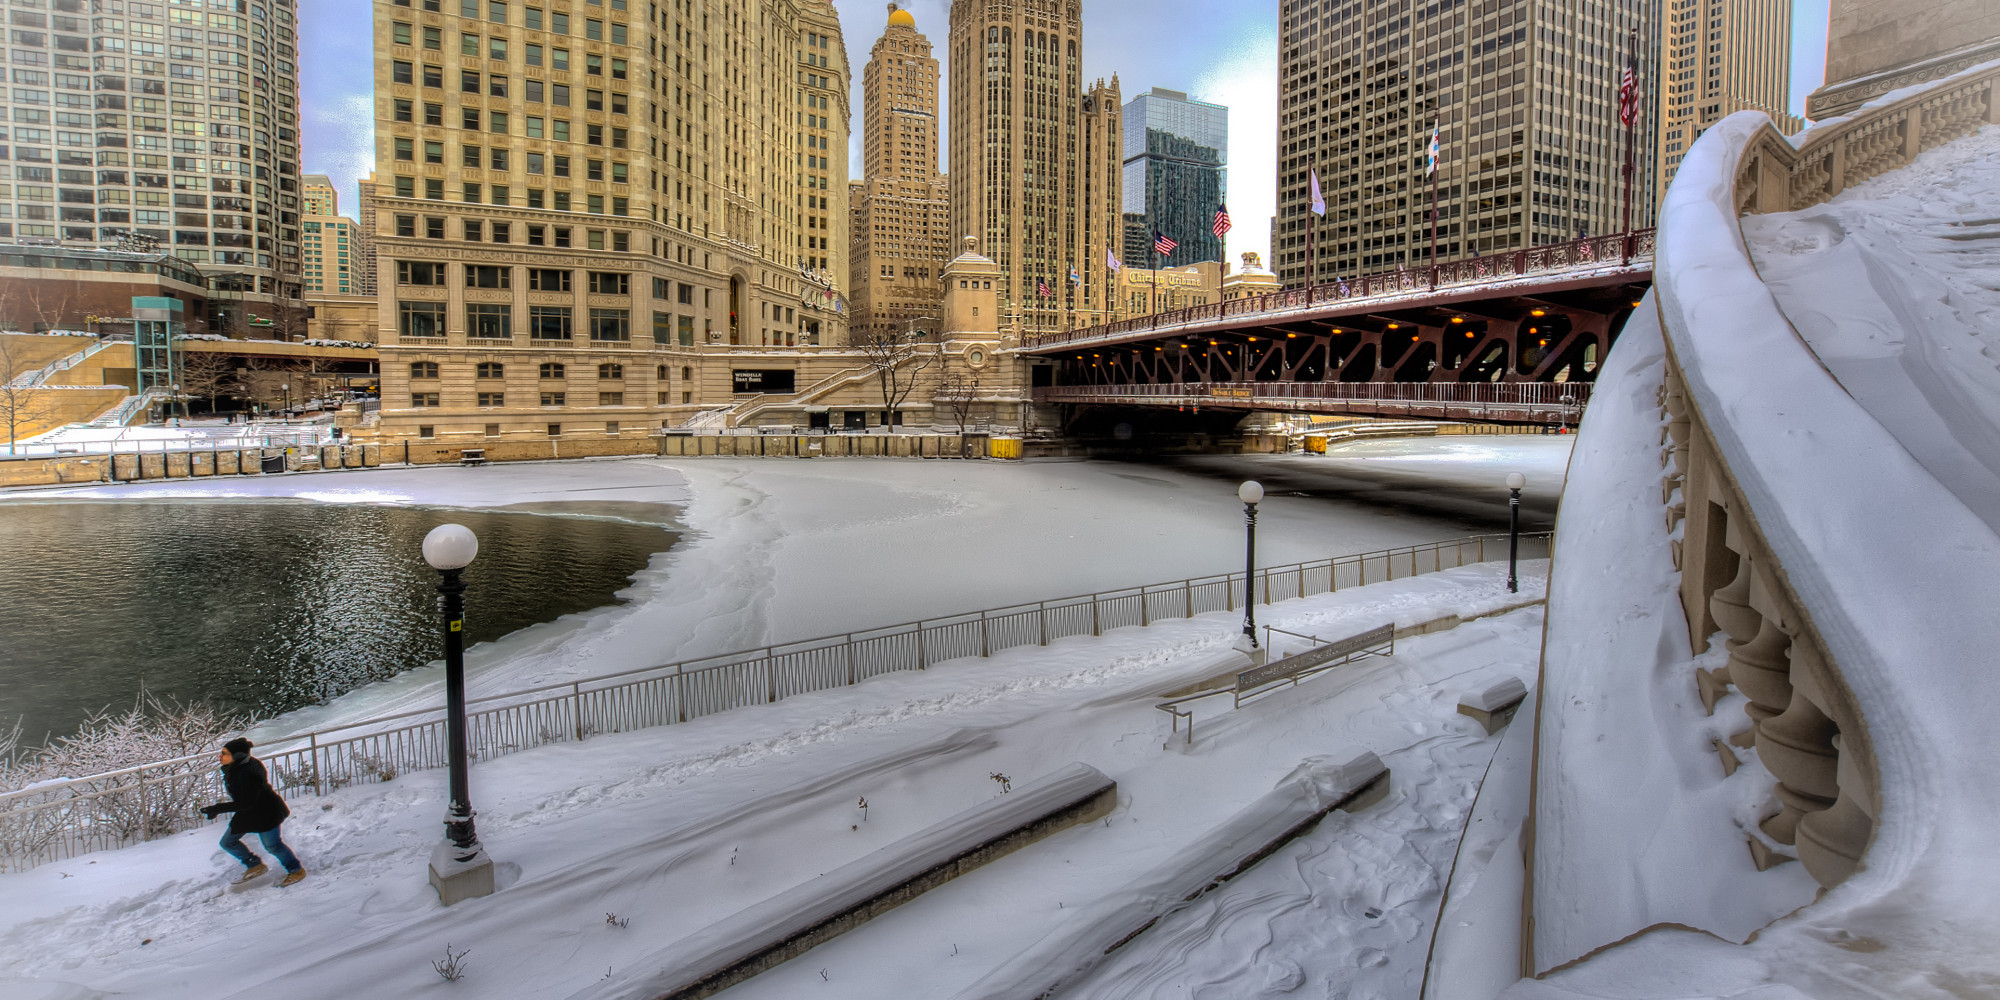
{"x": 1797, "y": 746}
{"x": 1830, "y": 842}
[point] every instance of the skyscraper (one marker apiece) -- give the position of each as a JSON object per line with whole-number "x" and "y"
{"x": 100, "y": 110}
{"x": 1176, "y": 155}
{"x": 568, "y": 195}
{"x": 1524, "y": 97}
{"x": 318, "y": 196}
{"x": 1034, "y": 158}
{"x": 1719, "y": 58}
{"x": 329, "y": 247}
{"x": 902, "y": 224}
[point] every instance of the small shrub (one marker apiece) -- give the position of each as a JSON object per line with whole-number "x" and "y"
{"x": 452, "y": 965}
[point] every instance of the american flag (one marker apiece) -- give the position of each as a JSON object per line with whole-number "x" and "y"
{"x": 1221, "y": 220}
{"x": 1628, "y": 97}
{"x": 1162, "y": 243}
{"x": 1042, "y": 289}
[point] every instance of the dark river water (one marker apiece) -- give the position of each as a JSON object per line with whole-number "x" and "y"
{"x": 266, "y": 605}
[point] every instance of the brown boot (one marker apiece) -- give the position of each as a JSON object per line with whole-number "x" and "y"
{"x": 251, "y": 872}
{"x": 292, "y": 878}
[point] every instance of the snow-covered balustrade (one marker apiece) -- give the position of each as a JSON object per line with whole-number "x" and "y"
{"x": 63, "y": 819}
{"x": 795, "y": 921}
{"x": 1799, "y": 523}
{"x": 1074, "y": 947}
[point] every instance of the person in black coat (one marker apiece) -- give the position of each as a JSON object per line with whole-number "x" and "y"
{"x": 255, "y": 808}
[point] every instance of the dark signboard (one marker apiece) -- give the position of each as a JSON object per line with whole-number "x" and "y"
{"x": 748, "y": 380}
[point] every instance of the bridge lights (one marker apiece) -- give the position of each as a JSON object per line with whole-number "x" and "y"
{"x": 1291, "y": 336}
{"x": 1536, "y": 312}
{"x": 1458, "y": 319}
{"x": 1514, "y": 483}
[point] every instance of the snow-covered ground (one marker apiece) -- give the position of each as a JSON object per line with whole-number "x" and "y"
{"x": 671, "y": 829}
{"x": 1893, "y": 284}
{"x": 775, "y": 551}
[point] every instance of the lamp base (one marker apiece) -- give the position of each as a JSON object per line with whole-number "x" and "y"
{"x": 1257, "y": 654}
{"x": 456, "y": 878}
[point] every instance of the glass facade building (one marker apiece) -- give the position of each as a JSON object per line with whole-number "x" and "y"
{"x": 1176, "y": 155}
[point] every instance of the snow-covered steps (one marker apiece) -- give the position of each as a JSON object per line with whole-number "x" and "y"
{"x": 795, "y": 921}
{"x": 1319, "y": 786}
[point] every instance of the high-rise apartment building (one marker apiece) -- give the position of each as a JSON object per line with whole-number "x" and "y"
{"x": 329, "y": 247}
{"x": 1523, "y": 93}
{"x": 173, "y": 119}
{"x": 1719, "y": 57}
{"x": 902, "y": 211}
{"x": 1035, "y": 158}
{"x": 572, "y": 193}
{"x": 1176, "y": 154}
{"x": 365, "y": 270}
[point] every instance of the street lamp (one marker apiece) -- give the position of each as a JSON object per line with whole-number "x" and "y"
{"x": 181, "y": 400}
{"x": 1514, "y": 483}
{"x": 1251, "y": 493}
{"x": 460, "y": 868}
{"x": 287, "y": 387}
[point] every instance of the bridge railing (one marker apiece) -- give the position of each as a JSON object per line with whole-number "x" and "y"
{"x": 64, "y": 818}
{"x": 1592, "y": 252}
{"x": 1539, "y": 395}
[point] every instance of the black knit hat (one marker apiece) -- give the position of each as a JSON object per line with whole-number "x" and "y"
{"x": 238, "y": 747}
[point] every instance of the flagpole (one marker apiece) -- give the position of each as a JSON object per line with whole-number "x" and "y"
{"x": 1312, "y": 261}
{"x": 1632, "y": 59}
{"x": 1153, "y": 259}
{"x": 1434, "y": 211}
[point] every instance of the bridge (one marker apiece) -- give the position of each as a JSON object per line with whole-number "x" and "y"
{"x": 1512, "y": 338}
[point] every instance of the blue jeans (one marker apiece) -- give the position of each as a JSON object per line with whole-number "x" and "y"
{"x": 233, "y": 843}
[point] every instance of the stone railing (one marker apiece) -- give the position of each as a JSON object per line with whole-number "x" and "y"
{"x": 1805, "y": 723}
{"x": 1776, "y": 176}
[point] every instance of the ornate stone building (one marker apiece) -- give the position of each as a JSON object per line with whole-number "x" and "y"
{"x": 902, "y": 227}
{"x": 1035, "y": 171}
{"x": 576, "y": 202}
{"x": 1876, "y": 46}
{"x": 1718, "y": 58}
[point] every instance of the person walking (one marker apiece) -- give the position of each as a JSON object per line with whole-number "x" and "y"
{"x": 256, "y": 808}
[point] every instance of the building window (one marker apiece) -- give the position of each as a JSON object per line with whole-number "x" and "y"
{"x": 551, "y": 369}
{"x": 406, "y": 226}
{"x": 687, "y": 294}
{"x": 555, "y": 430}
{"x": 492, "y": 321}
{"x": 423, "y": 369}
{"x": 610, "y": 283}
{"x": 490, "y": 369}
{"x": 419, "y": 272}
{"x": 543, "y": 279}
{"x": 420, "y": 319}
{"x": 493, "y": 430}
{"x": 548, "y": 322}
{"x": 434, "y": 231}
{"x": 611, "y": 399}
{"x": 493, "y": 399}
{"x": 488, "y": 276}
{"x": 423, "y": 399}
{"x": 611, "y": 371}
{"x": 555, "y": 399}
{"x": 426, "y": 430}
{"x": 610, "y": 324}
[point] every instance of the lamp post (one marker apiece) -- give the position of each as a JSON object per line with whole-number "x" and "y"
{"x": 460, "y": 868}
{"x": 1251, "y": 493}
{"x": 287, "y": 387}
{"x": 1514, "y": 483}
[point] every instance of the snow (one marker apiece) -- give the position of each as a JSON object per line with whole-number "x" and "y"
{"x": 1478, "y": 948}
{"x": 1099, "y": 927}
{"x": 1892, "y": 284}
{"x": 1619, "y": 710}
{"x": 1895, "y": 572}
{"x": 674, "y": 829}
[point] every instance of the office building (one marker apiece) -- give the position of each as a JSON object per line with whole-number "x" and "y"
{"x": 571, "y": 197}
{"x": 1719, "y": 58}
{"x": 330, "y": 244}
{"x": 174, "y": 121}
{"x": 902, "y": 213}
{"x": 1176, "y": 155}
{"x": 1523, "y": 95}
{"x": 1035, "y": 159}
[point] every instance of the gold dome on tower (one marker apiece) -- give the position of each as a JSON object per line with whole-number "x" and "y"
{"x": 900, "y": 18}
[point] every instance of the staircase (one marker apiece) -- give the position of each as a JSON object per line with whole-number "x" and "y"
{"x": 39, "y": 376}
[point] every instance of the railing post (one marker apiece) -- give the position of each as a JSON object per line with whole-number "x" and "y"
{"x": 1145, "y": 613}
{"x": 849, "y": 646}
{"x": 319, "y": 778}
{"x": 680, "y": 693}
{"x": 1043, "y": 613}
{"x": 923, "y": 654}
{"x": 1093, "y": 616}
{"x": 1187, "y": 591}
{"x": 576, "y": 709}
{"x": 985, "y": 646}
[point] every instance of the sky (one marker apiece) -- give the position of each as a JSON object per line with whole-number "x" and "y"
{"x": 1220, "y": 51}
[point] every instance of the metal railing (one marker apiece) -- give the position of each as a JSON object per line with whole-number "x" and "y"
{"x": 1479, "y": 400}
{"x": 40, "y": 375}
{"x": 65, "y": 818}
{"x": 1630, "y": 251}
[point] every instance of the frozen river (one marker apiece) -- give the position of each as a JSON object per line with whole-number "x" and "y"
{"x": 773, "y": 551}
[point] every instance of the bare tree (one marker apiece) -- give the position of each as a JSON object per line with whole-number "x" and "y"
{"x": 898, "y": 362}
{"x": 206, "y": 373}
{"x": 957, "y": 390}
{"x": 264, "y": 381}
{"x": 19, "y": 404}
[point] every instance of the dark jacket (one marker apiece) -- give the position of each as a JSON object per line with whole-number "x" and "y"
{"x": 256, "y": 805}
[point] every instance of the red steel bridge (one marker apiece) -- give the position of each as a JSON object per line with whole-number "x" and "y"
{"x": 1514, "y": 338}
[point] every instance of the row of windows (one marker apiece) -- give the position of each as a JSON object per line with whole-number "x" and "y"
{"x": 404, "y": 33}
{"x": 500, "y": 194}
{"x": 497, "y": 158}
{"x": 496, "y": 12}
{"x": 405, "y": 72}
{"x": 611, "y": 371}
{"x": 540, "y": 279}
{"x": 423, "y": 400}
{"x": 496, "y": 321}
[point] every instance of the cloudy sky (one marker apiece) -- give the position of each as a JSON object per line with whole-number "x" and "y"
{"x": 1220, "y": 51}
